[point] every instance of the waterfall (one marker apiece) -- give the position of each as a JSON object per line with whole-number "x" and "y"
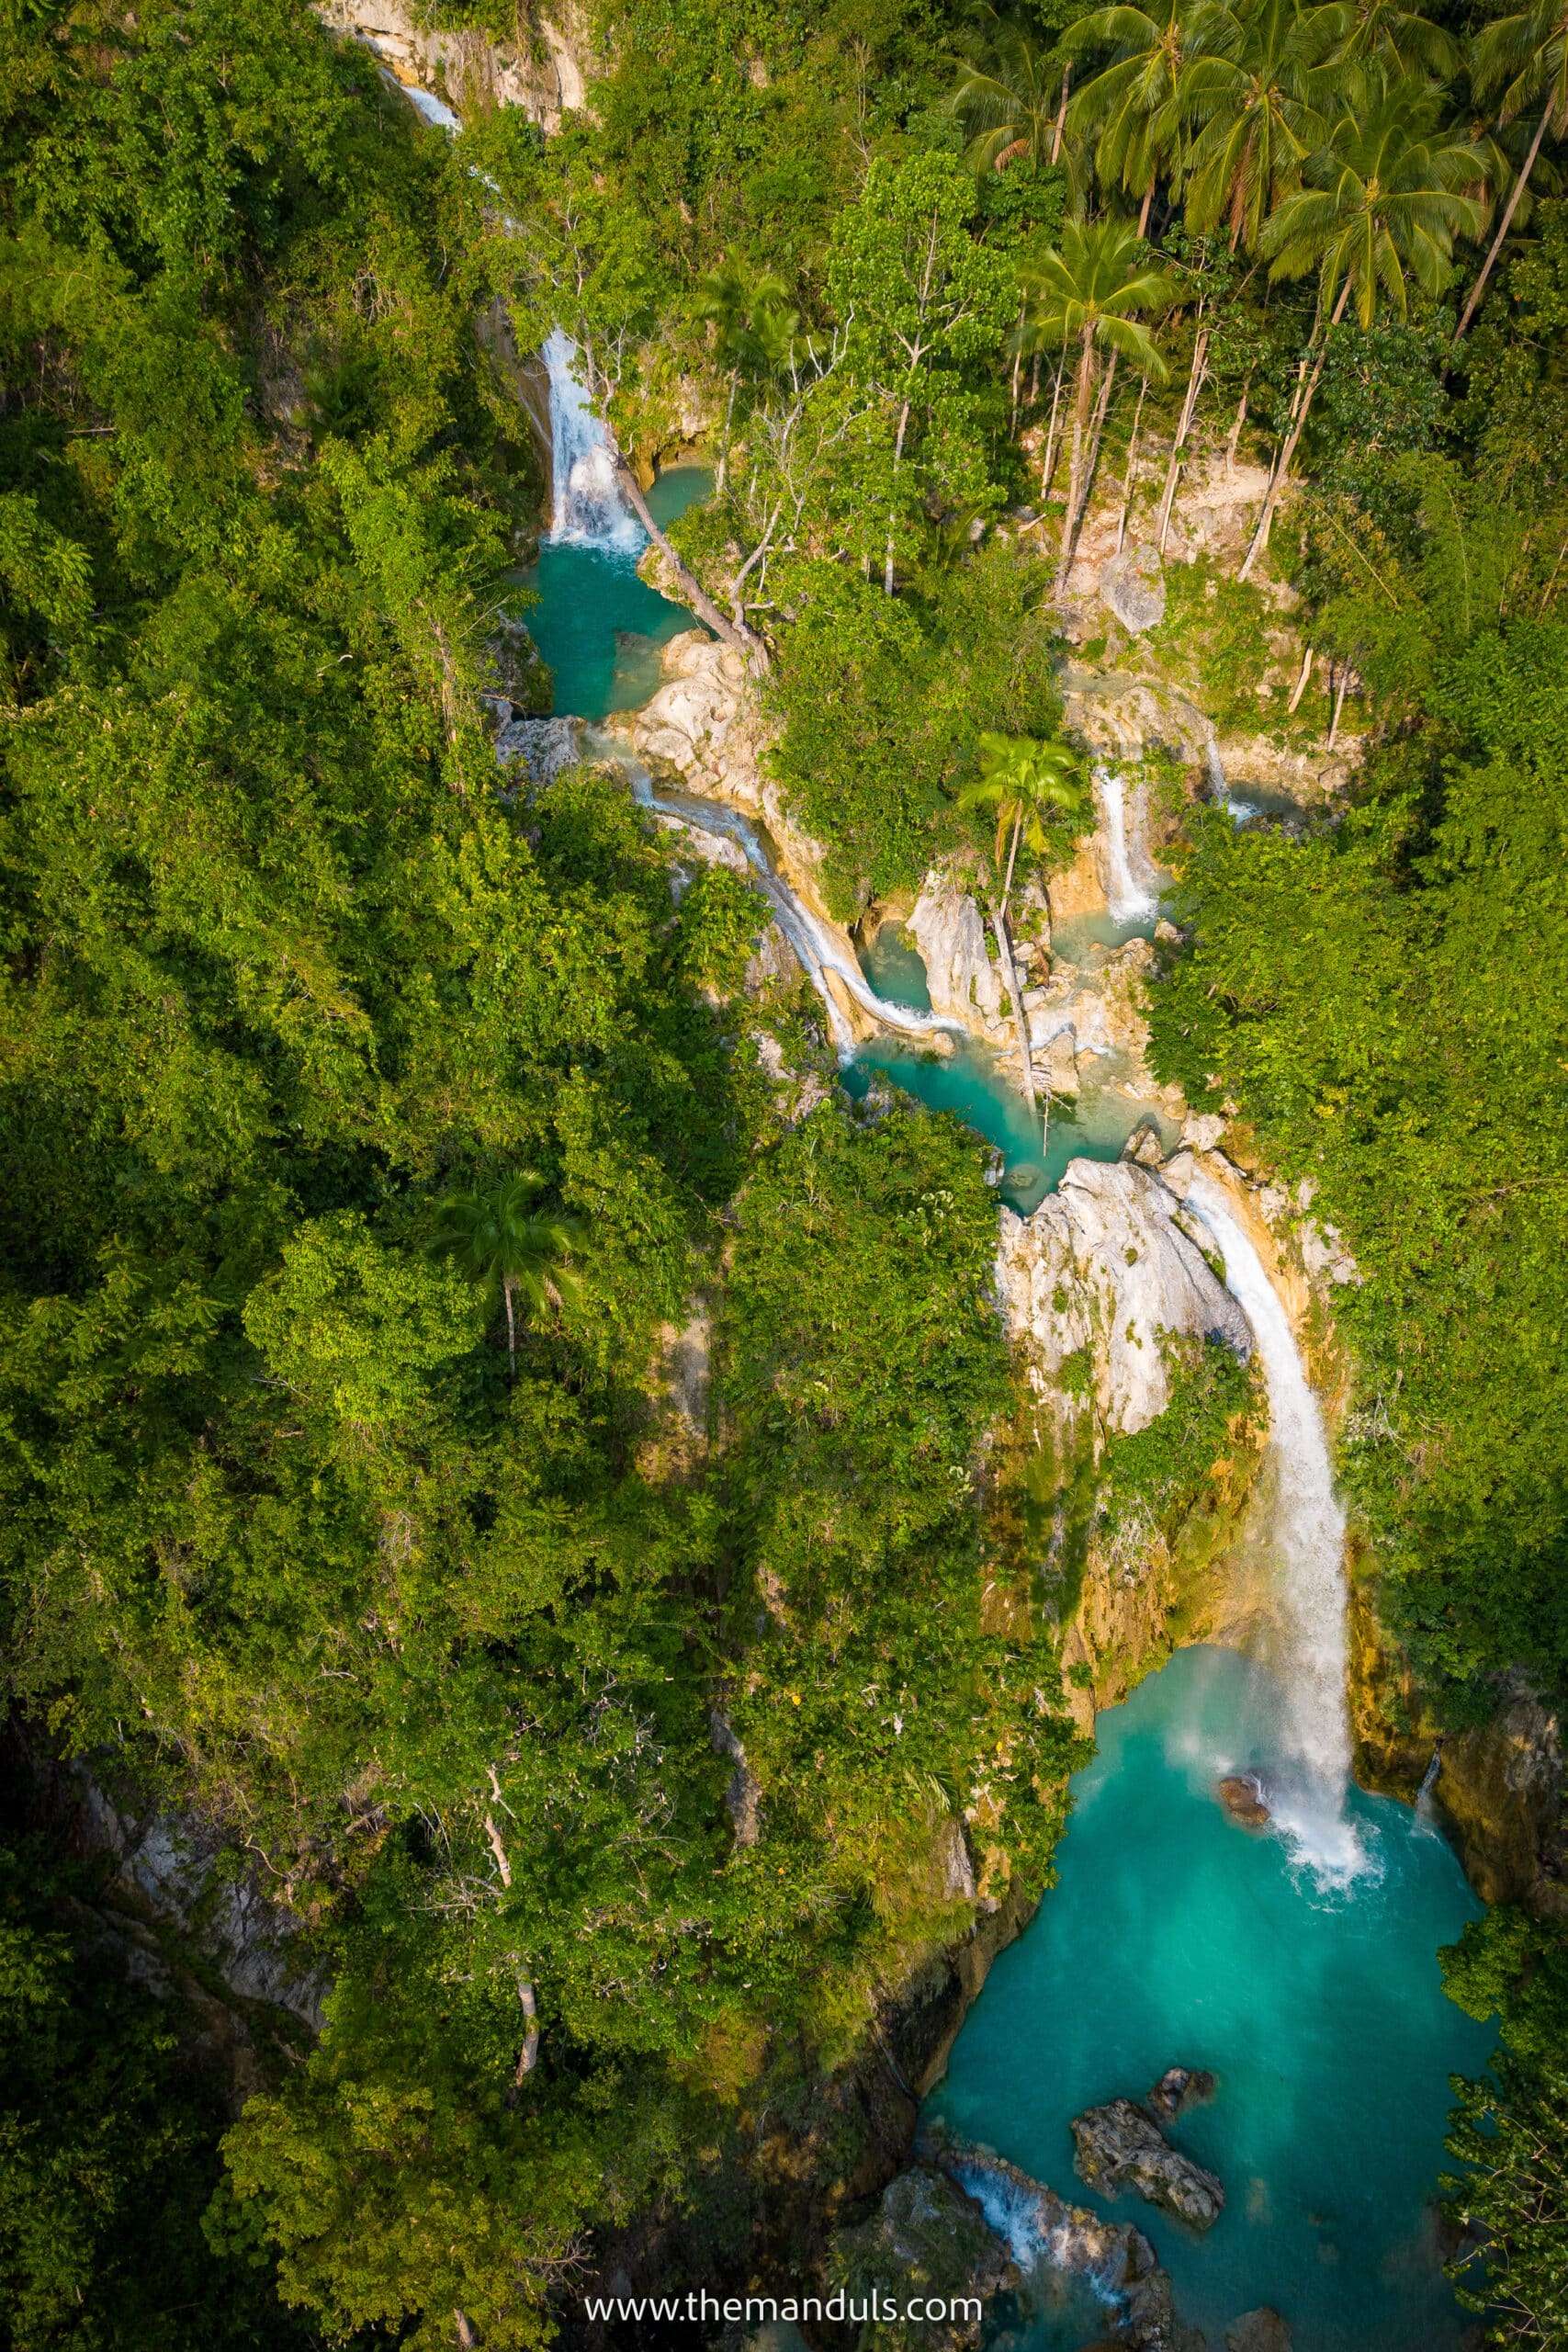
{"x": 1309, "y": 1534}
{"x": 1425, "y": 1795}
{"x": 589, "y": 508}
{"x": 813, "y": 942}
{"x": 1127, "y": 900}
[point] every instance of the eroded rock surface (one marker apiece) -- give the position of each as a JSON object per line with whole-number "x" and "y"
{"x": 948, "y": 928}
{"x": 1133, "y": 586}
{"x": 1179, "y": 2088}
{"x": 1240, "y": 1798}
{"x": 1045, "y": 2234}
{"x": 539, "y": 749}
{"x": 926, "y": 2238}
{"x": 1118, "y": 2147}
{"x": 1107, "y": 1263}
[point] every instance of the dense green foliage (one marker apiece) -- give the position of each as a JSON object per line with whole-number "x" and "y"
{"x": 616, "y": 1734}
{"x": 108, "y": 2143}
{"x": 1510, "y": 2131}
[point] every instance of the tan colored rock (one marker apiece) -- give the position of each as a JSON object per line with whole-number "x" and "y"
{"x": 1106, "y": 1262}
{"x": 470, "y": 68}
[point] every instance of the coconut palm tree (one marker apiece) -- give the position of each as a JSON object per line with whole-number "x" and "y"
{"x": 1385, "y": 37}
{"x": 1525, "y": 58}
{"x": 1011, "y": 97}
{"x": 496, "y": 1237}
{"x": 1022, "y": 779}
{"x": 1088, "y": 292}
{"x": 1133, "y": 105}
{"x": 1384, "y": 204}
{"x": 1258, "y": 90}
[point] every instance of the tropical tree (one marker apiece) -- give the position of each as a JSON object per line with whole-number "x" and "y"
{"x": 1022, "y": 778}
{"x": 496, "y": 1237}
{"x": 1007, "y": 98}
{"x": 754, "y": 332}
{"x": 1133, "y": 105}
{"x": 1088, "y": 291}
{"x": 1526, "y": 57}
{"x": 1384, "y": 204}
{"x": 1389, "y": 40}
{"x": 1258, "y": 92}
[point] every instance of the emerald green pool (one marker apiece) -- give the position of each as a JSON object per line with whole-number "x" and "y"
{"x": 597, "y": 625}
{"x": 1176, "y": 1938}
{"x": 981, "y": 1087}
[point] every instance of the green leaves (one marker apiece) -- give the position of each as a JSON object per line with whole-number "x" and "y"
{"x": 353, "y": 1327}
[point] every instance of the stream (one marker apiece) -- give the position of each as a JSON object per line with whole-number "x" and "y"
{"x": 1296, "y": 1961}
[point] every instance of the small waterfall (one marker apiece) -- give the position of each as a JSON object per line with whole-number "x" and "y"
{"x": 1127, "y": 898}
{"x": 1425, "y": 1795}
{"x": 812, "y": 941}
{"x": 1310, "y": 1536}
{"x": 589, "y": 508}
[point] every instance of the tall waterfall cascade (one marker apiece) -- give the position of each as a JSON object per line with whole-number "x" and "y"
{"x": 1127, "y": 897}
{"x": 819, "y": 951}
{"x": 1309, "y": 1536}
{"x": 589, "y": 508}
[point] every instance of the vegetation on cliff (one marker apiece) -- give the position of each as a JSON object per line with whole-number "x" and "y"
{"x": 618, "y": 1774}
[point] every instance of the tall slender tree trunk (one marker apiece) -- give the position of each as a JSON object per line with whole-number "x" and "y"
{"x": 1090, "y": 464}
{"x": 511, "y": 1326}
{"x": 1004, "y": 953}
{"x": 1504, "y": 225}
{"x": 1288, "y": 447}
{"x": 1196, "y": 375}
{"x": 1302, "y": 682}
{"x": 1012, "y": 857}
{"x": 1343, "y": 688}
{"x": 466, "y": 2340}
{"x": 723, "y": 470}
{"x": 1237, "y": 422}
{"x": 1075, "y": 471}
{"x": 898, "y": 462}
{"x": 1132, "y": 464}
{"x": 1144, "y": 209}
{"x": 1061, "y": 113}
{"x": 1049, "y": 466}
{"x": 743, "y": 640}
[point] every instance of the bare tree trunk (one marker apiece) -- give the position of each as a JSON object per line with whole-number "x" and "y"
{"x": 1195, "y": 380}
{"x": 1021, "y": 1022}
{"x": 1061, "y": 112}
{"x": 1132, "y": 461}
{"x": 1288, "y": 447}
{"x": 1012, "y": 853}
{"x": 1075, "y": 471}
{"x": 1302, "y": 682}
{"x": 1144, "y": 209}
{"x": 528, "y": 2057}
{"x": 1034, "y": 379}
{"x": 1338, "y": 704}
{"x": 743, "y": 640}
{"x": 1233, "y": 444}
{"x": 1091, "y": 460}
{"x": 466, "y": 2340}
{"x": 1017, "y": 364}
{"x": 1504, "y": 225}
{"x": 1049, "y": 466}
{"x": 511, "y": 1327}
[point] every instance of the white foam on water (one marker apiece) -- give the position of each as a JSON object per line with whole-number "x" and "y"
{"x": 1306, "y": 1799}
{"x": 589, "y": 509}
{"x": 1126, "y": 896}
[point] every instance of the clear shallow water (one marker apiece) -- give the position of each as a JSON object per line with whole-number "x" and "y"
{"x": 590, "y": 597}
{"x": 1174, "y": 1938}
{"x": 981, "y": 1089}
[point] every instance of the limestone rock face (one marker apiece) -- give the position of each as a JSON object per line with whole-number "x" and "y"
{"x": 703, "y": 722}
{"x": 948, "y": 928}
{"x": 539, "y": 748}
{"x": 1133, "y": 586}
{"x": 473, "y": 69}
{"x": 1118, "y": 2148}
{"x": 1106, "y": 1262}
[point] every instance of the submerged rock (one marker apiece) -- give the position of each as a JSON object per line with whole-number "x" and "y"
{"x": 1241, "y": 1799}
{"x": 1259, "y": 2331}
{"x": 1179, "y": 2088}
{"x": 1105, "y": 1263}
{"x": 1118, "y": 2147}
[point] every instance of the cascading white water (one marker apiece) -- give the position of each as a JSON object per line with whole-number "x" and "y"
{"x": 1309, "y": 1534}
{"x": 589, "y": 508}
{"x": 813, "y": 942}
{"x": 1126, "y": 896}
